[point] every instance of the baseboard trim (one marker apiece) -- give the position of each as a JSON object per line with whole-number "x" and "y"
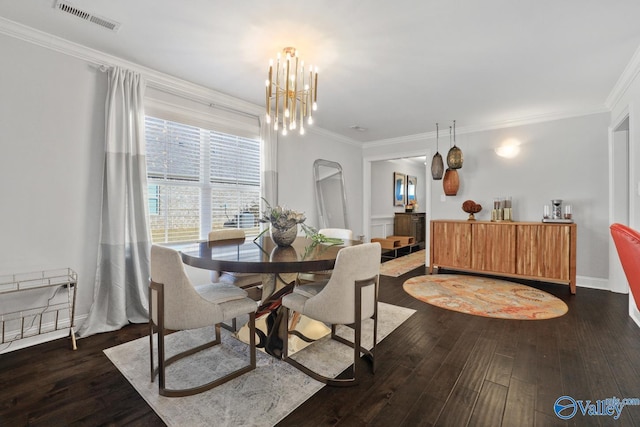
{"x": 592, "y": 283}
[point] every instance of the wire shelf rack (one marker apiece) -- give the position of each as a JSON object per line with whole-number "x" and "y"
{"x": 48, "y": 314}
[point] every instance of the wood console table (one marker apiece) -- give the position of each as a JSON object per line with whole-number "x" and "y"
{"x": 410, "y": 224}
{"x": 528, "y": 250}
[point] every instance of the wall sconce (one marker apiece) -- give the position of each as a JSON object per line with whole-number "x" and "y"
{"x": 508, "y": 149}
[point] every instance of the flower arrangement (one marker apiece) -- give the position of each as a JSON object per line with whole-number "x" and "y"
{"x": 281, "y": 218}
{"x": 283, "y": 222}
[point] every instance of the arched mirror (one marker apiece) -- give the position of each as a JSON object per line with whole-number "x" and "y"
{"x": 331, "y": 197}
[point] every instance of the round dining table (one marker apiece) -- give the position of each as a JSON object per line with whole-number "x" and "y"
{"x": 261, "y": 255}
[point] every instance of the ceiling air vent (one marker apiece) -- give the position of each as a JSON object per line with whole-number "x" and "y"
{"x": 66, "y": 7}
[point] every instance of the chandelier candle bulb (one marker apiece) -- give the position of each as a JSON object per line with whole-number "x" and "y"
{"x": 315, "y": 91}
{"x": 310, "y": 90}
{"x": 294, "y": 100}
{"x": 310, "y": 119}
{"x": 286, "y": 92}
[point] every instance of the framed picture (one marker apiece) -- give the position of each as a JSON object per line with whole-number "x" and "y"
{"x": 399, "y": 193}
{"x": 412, "y": 183}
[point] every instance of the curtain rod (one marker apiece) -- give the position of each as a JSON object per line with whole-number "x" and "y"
{"x": 103, "y": 68}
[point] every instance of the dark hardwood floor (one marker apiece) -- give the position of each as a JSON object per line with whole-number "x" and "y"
{"x": 439, "y": 368}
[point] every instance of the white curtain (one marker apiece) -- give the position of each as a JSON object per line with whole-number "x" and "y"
{"x": 121, "y": 289}
{"x": 269, "y": 168}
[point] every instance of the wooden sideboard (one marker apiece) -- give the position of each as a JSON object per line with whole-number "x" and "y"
{"x": 528, "y": 250}
{"x": 410, "y": 224}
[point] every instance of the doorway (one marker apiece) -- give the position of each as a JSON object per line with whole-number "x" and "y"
{"x": 423, "y": 194}
{"x": 620, "y": 198}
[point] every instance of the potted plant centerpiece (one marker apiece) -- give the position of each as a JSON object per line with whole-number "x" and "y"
{"x": 283, "y": 223}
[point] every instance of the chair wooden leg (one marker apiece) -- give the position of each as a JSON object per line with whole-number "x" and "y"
{"x": 151, "y": 349}
{"x": 284, "y": 332}
{"x": 233, "y": 327}
{"x": 151, "y": 332}
{"x": 252, "y": 339}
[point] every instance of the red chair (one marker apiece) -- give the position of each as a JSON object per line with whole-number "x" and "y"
{"x": 627, "y": 242}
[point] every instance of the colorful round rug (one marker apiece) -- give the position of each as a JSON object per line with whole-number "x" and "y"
{"x": 486, "y": 297}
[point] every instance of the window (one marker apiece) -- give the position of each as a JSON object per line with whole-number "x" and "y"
{"x": 154, "y": 199}
{"x": 201, "y": 179}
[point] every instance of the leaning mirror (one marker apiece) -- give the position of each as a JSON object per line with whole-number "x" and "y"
{"x": 331, "y": 197}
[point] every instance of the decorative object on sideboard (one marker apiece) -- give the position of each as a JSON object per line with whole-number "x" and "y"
{"x": 437, "y": 164}
{"x": 555, "y": 212}
{"x": 451, "y": 182}
{"x": 502, "y": 210}
{"x": 557, "y": 209}
{"x": 471, "y": 207}
{"x": 454, "y": 157}
{"x": 292, "y": 92}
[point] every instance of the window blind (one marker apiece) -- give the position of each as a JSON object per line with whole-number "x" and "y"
{"x": 204, "y": 179}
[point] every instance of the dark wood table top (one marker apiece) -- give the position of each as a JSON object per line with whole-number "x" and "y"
{"x": 261, "y": 256}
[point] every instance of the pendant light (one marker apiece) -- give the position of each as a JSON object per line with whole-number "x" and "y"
{"x": 454, "y": 157}
{"x": 437, "y": 165}
{"x": 451, "y": 181}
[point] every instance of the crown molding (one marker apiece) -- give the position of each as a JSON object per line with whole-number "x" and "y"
{"x": 540, "y": 118}
{"x": 333, "y": 136}
{"x": 154, "y": 78}
{"x": 214, "y": 98}
{"x": 625, "y": 80}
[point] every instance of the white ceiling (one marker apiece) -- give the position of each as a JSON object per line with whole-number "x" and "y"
{"x": 394, "y": 68}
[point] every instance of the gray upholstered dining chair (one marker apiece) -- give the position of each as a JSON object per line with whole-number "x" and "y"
{"x": 175, "y": 304}
{"x": 347, "y": 298}
{"x": 338, "y": 233}
{"x": 242, "y": 280}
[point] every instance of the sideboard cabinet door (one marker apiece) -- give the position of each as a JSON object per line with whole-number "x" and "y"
{"x": 544, "y": 251}
{"x": 493, "y": 248}
{"x": 453, "y": 243}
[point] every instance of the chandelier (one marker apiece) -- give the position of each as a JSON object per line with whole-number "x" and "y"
{"x": 292, "y": 92}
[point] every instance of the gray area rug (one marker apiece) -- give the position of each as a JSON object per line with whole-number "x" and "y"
{"x": 261, "y": 397}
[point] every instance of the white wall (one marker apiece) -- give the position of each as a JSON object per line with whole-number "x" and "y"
{"x": 564, "y": 159}
{"x": 627, "y": 103}
{"x": 52, "y": 127}
{"x": 382, "y": 194}
{"x": 296, "y": 188}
